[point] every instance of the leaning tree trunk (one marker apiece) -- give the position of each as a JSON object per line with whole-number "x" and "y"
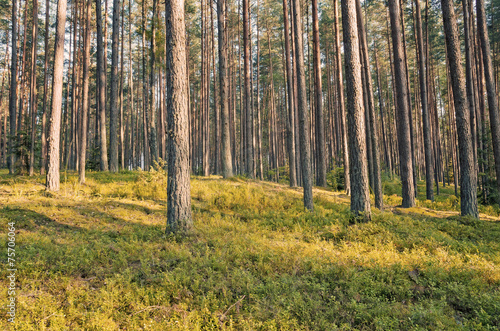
{"x": 226, "y": 161}
{"x": 360, "y": 194}
{"x": 404, "y": 139}
{"x": 179, "y": 218}
{"x": 305, "y": 147}
{"x": 55, "y": 115}
{"x": 490, "y": 85}
{"x": 468, "y": 177}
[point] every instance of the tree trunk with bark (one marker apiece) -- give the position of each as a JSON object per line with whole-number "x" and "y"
{"x": 468, "y": 177}
{"x": 57, "y": 85}
{"x": 305, "y": 146}
{"x": 404, "y": 139}
{"x": 179, "y": 217}
{"x": 360, "y": 194}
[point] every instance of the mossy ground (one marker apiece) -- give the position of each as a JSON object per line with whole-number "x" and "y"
{"x": 95, "y": 257}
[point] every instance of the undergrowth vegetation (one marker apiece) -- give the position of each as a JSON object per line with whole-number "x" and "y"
{"x": 95, "y": 257}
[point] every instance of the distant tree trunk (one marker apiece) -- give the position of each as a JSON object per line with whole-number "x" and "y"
{"x": 382, "y": 108}
{"x": 33, "y": 89}
{"x": 404, "y": 139}
{"x": 85, "y": 96}
{"x": 373, "y": 137}
{"x": 318, "y": 97}
{"x": 55, "y": 115}
{"x": 226, "y": 161}
{"x": 122, "y": 69}
{"x": 13, "y": 91}
{"x": 113, "y": 118}
{"x": 429, "y": 170}
{"x": 291, "y": 119}
{"x": 490, "y": 85}
{"x": 360, "y": 194}
{"x": 43, "y": 163}
{"x": 468, "y": 178}
{"x": 250, "y": 171}
{"x": 302, "y": 108}
{"x": 179, "y": 218}
{"x": 340, "y": 93}
{"x": 152, "y": 97}
{"x": 101, "y": 59}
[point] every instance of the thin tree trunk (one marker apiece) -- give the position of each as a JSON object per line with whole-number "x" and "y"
{"x": 490, "y": 85}
{"x": 33, "y": 90}
{"x": 13, "y": 91}
{"x": 291, "y": 119}
{"x": 85, "y": 96}
{"x": 113, "y": 119}
{"x": 250, "y": 171}
{"x": 318, "y": 97}
{"x": 340, "y": 93}
{"x": 102, "y": 89}
{"x": 429, "y": 170}
{"x": 302, "y": 109}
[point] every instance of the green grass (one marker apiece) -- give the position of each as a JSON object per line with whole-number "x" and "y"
{"x": 95, "y": 257}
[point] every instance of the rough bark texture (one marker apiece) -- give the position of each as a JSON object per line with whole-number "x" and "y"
{"x": 290, "y": 119}
{"x": 429, "y": 169}
{"x": 113, "y": 118}
{"x": 468, "y": 177}
{"x": 102, "y": 89}
{"x": 360, "y": 195}
{"x": 318, "y": 98}
{"x": 85, "y": 97}
{"x": 305, "y": 147}
{"x": 403, "y": 127}
{"x": 55, "y": 115}
{"x": 490, "y": 85}
{"x": 373, "y": 137}
{"x": 179, "y": 217}
{"x": 226, "y": 160}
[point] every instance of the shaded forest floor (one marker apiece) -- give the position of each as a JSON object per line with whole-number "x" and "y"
{"x": 95, "y": 257}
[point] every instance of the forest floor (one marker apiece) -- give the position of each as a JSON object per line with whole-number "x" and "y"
{"x": 95, "y": 257}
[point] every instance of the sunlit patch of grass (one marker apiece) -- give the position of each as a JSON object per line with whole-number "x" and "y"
{"x": 95, "y": 257}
